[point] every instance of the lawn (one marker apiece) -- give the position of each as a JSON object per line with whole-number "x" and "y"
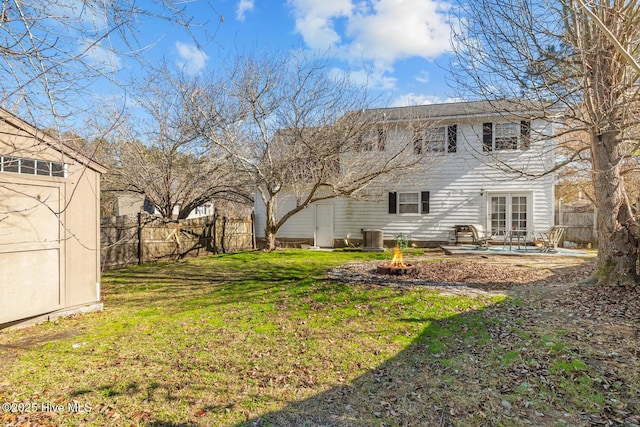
{"x": 265, "y": 339}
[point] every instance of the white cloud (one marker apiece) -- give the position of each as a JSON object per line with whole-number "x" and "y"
{"x": 100, "y": 56}
{"x": 192, "y": 59}
{"x": 244, "y": 6}
{"x": 89, "y": 14}
{"x": 422, "y": 77}
{"x": 381, "y": 31}
{"x": 315, "y": 20}
{"x": 374, "y": 79}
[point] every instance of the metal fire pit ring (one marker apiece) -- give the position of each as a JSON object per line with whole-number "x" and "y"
{"x": 387, "y": 268}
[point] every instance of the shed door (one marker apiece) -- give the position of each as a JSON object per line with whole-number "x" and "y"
{"x": 324, "y": 225}
{"x": 29, "y": 250}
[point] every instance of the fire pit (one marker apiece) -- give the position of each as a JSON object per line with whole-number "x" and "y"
{"x": 396, "y": 266}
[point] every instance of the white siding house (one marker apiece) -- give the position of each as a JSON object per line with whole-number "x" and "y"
{"x": 484, "y": 167}
{"x": 133, "y": 203}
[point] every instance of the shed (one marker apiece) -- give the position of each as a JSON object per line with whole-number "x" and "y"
{"x": 49, "y": 226}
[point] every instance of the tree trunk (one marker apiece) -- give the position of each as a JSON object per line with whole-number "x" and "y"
{"x": 270, "y": 240}
{"x": 618, "y": 238}
{"x": 271, "y": 226}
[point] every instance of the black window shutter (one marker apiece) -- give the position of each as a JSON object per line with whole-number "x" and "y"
{"x": 382, "y": 139}
{"x": 487, "y": 136}
{"x": 392, "y": 202}
{"x": 424, "y": 196}
{"x": 417, "y": 141}
{"x": 525, "y": 134}
{"x": 452, "y": 139}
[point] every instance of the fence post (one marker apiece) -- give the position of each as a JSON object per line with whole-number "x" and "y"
{"x": 224, "y": 230}
{"x": 140, "y": 242}
{"x": 253, "y": 230}
{"x": 215, "y": 233}
{"x": 208, "y": 233}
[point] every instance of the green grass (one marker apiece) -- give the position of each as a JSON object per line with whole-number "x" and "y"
{"x": 226, "y": 339}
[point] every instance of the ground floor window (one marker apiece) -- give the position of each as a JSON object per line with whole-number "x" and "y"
{"x": 409, "y": 202}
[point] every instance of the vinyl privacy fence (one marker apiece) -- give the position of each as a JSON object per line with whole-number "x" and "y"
{"x": 142, "y": 238}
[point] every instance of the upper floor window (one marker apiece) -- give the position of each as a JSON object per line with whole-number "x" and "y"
{"x": 435, "y": 139}
{"x": 31, "y": 166}
{"x": 375, "y": 139}
{"x": 438, "y": 140}
{"x": 506, "y": 136}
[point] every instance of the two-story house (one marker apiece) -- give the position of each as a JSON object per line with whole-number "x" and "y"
{"x": 480, "y": 165}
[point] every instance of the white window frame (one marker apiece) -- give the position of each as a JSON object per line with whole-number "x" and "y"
{"x": 506, "y": 136}
{"x": 417, "y": 202}
{"x": 509, "y": 220}
{"x": 431, "y": 140}
{"x": 435, "y": 139}
{"x": 374, "y": 139}
{"x": 36, "y": 168}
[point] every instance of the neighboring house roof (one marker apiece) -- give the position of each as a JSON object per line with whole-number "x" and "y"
{"x": 46, "y": 139}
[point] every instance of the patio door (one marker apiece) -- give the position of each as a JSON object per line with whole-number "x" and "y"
{"x": 508, "y": 211}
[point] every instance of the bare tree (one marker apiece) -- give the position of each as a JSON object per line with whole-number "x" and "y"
{"x": 558, "y": 54}
{"x": 56, "y": 57}
{"x": 298, "y": 129}
{"x": 52, "y": 53}
{"x": 161, "y": 156}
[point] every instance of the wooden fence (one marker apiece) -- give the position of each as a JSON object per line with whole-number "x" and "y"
{"x": 142, "y": 238}
{"x": 580, "y": 221}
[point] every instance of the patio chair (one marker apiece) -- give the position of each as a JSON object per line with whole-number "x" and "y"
{"x": 478, "y": 241}
{"x": 551, "y": 238}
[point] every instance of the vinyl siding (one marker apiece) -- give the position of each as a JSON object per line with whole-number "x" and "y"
{"x": 460, "y": 185}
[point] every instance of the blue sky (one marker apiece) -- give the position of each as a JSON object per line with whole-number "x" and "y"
{"x": 403, "y": 43}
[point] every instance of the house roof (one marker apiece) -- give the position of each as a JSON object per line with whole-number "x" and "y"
{"x": 467, "y": 110}
{"x": 46, "y": 139}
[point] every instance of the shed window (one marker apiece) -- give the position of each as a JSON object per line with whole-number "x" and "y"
{"x": 25, "y": 166}
{"x": 57, "y": 169}
{"x": 10, "y": 164}
{"x": 43, "y": 168}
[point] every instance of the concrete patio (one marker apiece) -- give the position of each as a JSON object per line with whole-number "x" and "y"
{"x": 514, "y": 250}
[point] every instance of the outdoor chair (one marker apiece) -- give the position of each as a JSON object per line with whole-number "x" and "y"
{"x": 478, "y": 241}
{"x": 550, "y": 239}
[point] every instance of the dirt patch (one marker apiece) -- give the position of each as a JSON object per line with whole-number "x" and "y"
{"x": 473, "y": 275}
